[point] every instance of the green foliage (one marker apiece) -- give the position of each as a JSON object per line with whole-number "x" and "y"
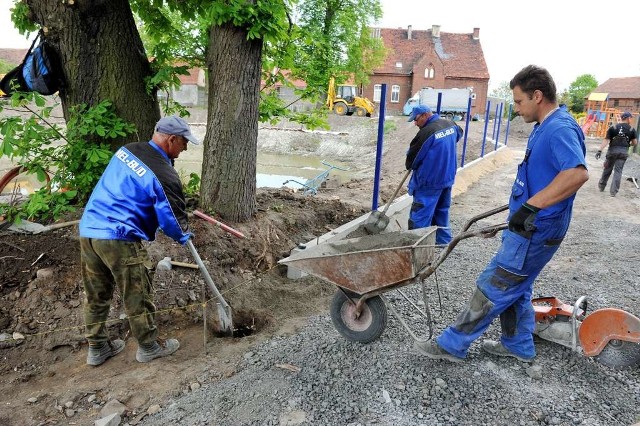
{"x": 579, "y": 90}
{"x": 389, "y": 126}
{"x": 336, "y": 41}
{"x": 503, "y": 91}
{"x": 20, "y": 15}
{"x": 333, "y": 39}
{"x": 41, "y": 147}
{"x": 192, "y": 186}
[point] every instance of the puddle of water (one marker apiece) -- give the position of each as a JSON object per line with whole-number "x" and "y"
{"x": 273, "y": 169}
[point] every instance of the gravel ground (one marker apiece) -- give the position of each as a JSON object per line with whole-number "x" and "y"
{"x": 317, "y": 377}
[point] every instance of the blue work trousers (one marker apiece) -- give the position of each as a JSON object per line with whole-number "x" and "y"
{"x": 431, "y": 208}
{"x": 504, "y": 289}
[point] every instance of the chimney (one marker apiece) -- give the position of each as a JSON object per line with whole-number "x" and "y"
{"x": 409, "y": 32}
{"x": 476, "y": 33}
{"x": 435, "y": 31}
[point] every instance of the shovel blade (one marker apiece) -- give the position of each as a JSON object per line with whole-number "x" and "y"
{"x": 376, "y": 222}
{"x": 224, "y": 319}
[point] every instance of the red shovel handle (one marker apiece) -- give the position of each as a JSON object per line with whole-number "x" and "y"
{"x": 220, "y": 224}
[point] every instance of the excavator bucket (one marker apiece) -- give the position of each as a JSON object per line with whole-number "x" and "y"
{"x": 612, "y": 336}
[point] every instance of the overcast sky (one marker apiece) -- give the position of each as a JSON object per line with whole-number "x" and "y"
{"x": 568, "y": 38}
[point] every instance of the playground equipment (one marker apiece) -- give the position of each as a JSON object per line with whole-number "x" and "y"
{"x": 599, "y": 116}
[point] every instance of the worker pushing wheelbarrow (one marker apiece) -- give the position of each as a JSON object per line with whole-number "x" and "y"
{"x": 365, "y": 268}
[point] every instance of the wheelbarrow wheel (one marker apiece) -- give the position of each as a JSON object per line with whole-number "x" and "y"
{"x": 364, "y": 329}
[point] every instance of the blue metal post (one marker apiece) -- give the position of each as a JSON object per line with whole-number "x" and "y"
{"x": 495, "y": 123}
{"x": 486, "y": 123}
{"x": 466, "y": 133}
{"x": 439, "y": 104}
{"x": 506, "y": 136}
{"x": 376, "y": 178}
{"x": 495, "y": 148}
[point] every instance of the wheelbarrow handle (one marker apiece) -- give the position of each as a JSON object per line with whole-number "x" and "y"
{"x": 486, "y": 231}
{"x": 483, "y": 216}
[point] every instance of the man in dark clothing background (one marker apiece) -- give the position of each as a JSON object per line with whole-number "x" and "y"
{"x": 619, "y": 138}
{"x": 432, "y": 157}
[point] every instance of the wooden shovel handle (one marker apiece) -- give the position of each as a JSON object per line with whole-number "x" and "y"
{"x": 226, "y": 228}
{"x": 393, "y": 197}
{"x": 184, "y": 265}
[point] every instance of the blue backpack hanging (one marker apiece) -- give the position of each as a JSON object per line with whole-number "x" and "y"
{"x": 40, "y": 71}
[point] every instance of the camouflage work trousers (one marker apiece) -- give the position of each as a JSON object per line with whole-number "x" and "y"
{"x": 109, "y": 263}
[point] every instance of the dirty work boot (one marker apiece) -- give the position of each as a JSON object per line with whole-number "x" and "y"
{"x": 159, "y": 348}
{"x": 432, "y": 350}
{"x": 497, "y": 348}
{"x": 100, "y": 352}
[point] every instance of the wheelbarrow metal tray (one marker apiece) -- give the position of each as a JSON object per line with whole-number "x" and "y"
{"x": 368, "y": 263}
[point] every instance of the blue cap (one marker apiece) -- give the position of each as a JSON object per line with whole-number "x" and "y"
{"x": 417, "y": 110}
{"x": 174, "y": 125}
{"x": 626, "y": 115}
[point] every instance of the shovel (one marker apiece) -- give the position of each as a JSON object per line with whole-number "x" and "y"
{"x": 224, "y": 310}
{"x": 378, "y": 220}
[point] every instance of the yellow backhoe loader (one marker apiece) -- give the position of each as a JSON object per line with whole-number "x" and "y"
{"x": 343, "y": 100}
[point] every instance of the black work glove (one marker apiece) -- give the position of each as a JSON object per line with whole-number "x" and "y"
{"x": 522, "y": 220}
{"x": 598, "y": 154}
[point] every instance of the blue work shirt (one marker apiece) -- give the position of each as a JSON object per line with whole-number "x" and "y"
{"x": 551, "y": 149}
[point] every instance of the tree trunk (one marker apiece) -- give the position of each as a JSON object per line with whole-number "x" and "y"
{"x": 228, "y": 184}
{"x": 102, "y": 57}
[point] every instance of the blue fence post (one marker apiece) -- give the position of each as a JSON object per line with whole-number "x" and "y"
{"x": 439, "y": 104}
{"x": 506, "y": 136}
{"x": 466, "y": 133}
{"x": 495, "y": 123}
{"x": 486, "y": 123}
{"x": 376, "y": 178}
{"x": 495, "y": 148}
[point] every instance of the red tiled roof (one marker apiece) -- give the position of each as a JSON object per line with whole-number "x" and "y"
{"x": 621, "y": 88}
{"x": 191, "y": 78}
{"x": 296, "y": 82}
{"x": 460, "y": 54}
{"x": 13, "y": 56}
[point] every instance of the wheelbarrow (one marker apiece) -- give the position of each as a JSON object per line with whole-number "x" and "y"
{"x": 365, "y": 268}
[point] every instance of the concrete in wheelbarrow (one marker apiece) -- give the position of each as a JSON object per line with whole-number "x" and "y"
{"x": 398, "y": 211}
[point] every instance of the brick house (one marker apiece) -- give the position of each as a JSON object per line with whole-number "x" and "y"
{"x": 624, "y": 93}
{"x": 428, "y": 58}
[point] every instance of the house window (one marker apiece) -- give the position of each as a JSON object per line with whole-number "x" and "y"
{"x": 395, "y": 93}
{"x": 398, "y": 64}
{"x": 377, "y": 91}
{"x": 429, "y": 72}
{"x": 375, "y": 32}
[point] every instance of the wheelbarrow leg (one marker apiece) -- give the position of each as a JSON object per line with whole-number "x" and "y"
{"x": 426, "y": 313}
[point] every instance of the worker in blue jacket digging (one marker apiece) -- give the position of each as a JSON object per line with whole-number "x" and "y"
{"x": 138, "y": 193}
{"x": 432, "y": 157}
